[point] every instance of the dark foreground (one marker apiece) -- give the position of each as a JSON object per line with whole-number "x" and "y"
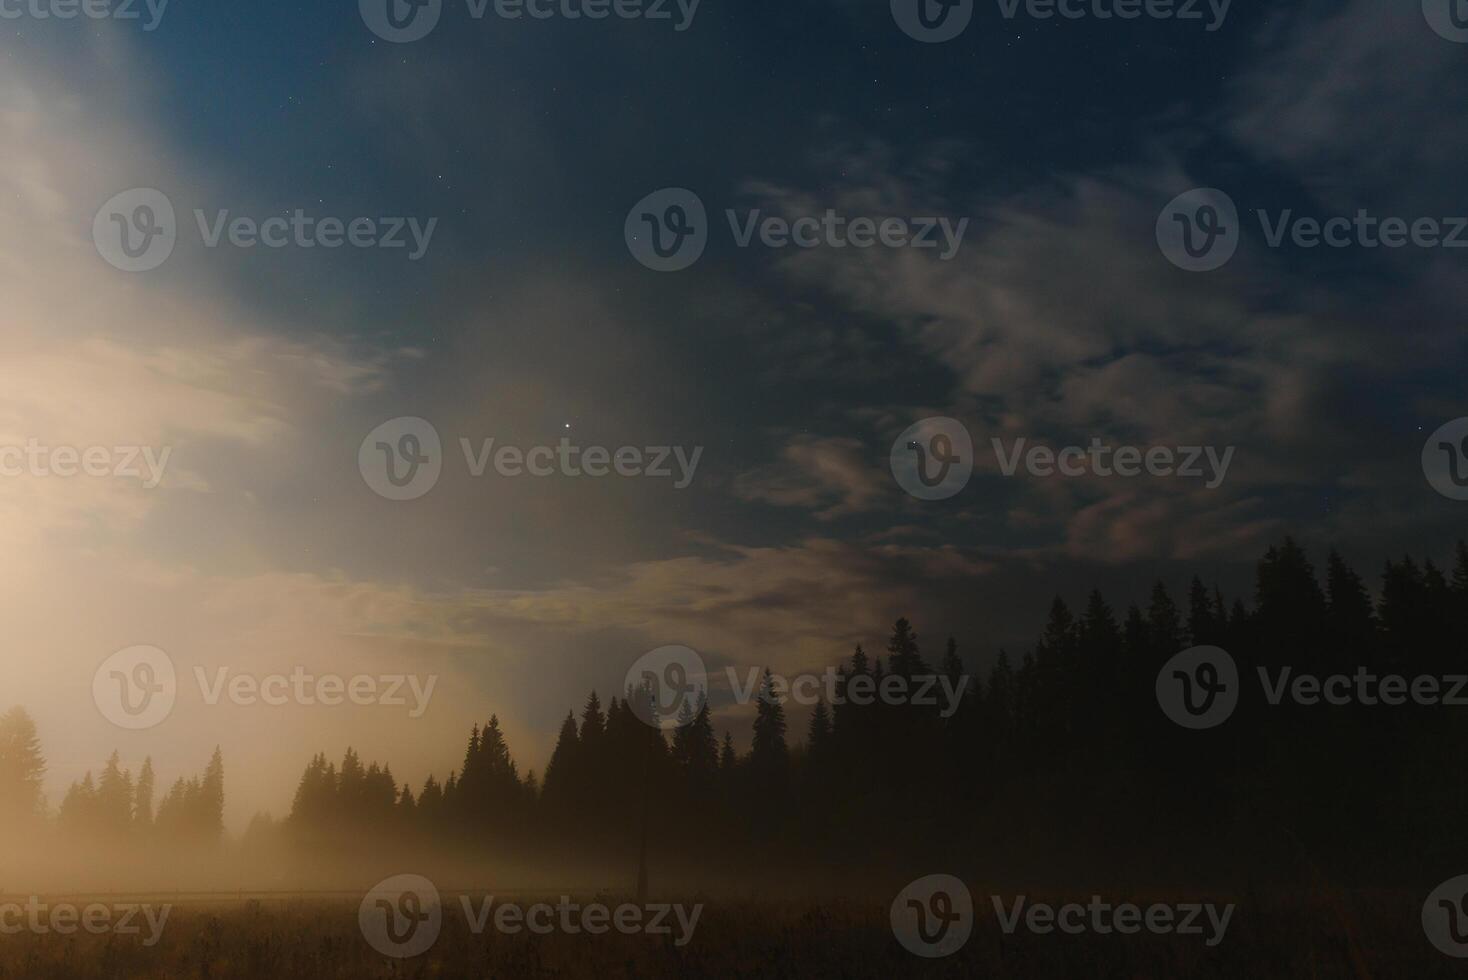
{"x": 1358, "y": 935}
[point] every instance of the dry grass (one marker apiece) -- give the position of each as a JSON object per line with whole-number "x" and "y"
{"x": 319, "y": 940}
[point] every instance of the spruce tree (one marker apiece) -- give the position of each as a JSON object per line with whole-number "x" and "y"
{"x": 22, "y": 767}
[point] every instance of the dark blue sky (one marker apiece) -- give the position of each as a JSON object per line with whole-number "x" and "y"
{"x": 1059, "y": 320}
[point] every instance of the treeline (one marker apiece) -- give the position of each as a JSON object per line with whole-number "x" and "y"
{"x": 116, "y": 805}
{"x": 112, "y": 806}
{"x": 1063, "y": 750}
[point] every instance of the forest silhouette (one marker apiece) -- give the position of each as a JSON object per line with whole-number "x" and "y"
{"x": 1058, "y": 763}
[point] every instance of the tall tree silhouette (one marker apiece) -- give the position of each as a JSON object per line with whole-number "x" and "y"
{"x": 22, "y": 768}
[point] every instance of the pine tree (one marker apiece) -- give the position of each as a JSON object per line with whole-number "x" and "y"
{"x": 22, "y": 767}
{"x": 143, "y": 797}
{"x": 904, "y": 659}
{"x": 562, "y": 772}
{"x": 1460, "y": 570}
{"x": 1098, "y": 629}
{"x": 1203, "y": 629}
{"x": 78, "y": 813}
{"x": 1163, "y": 626}
{"x": 211, "y": 801}
{"x": 952, "y": 664}
{"x": 593, "y": 723}
{"x": 769, "y": 756}
{"x": 115, "y": 798}
{"x": 728, "y": 758}
{"x": 1058, "y": 644}
{"x": 1348, "y": 604}
{"x": 818, "y": 738}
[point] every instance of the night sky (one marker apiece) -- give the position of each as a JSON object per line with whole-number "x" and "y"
{"x": 528, "y": 320}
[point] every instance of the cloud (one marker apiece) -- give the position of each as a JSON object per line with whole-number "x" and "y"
{"x": 1352, "y": 96}
{"x": 831, "y": 476}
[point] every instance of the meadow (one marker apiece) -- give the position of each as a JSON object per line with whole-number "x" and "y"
{"x": 1356, "y": 935}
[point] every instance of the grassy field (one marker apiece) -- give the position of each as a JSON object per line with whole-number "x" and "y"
{"x": 1363, "y": 935}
